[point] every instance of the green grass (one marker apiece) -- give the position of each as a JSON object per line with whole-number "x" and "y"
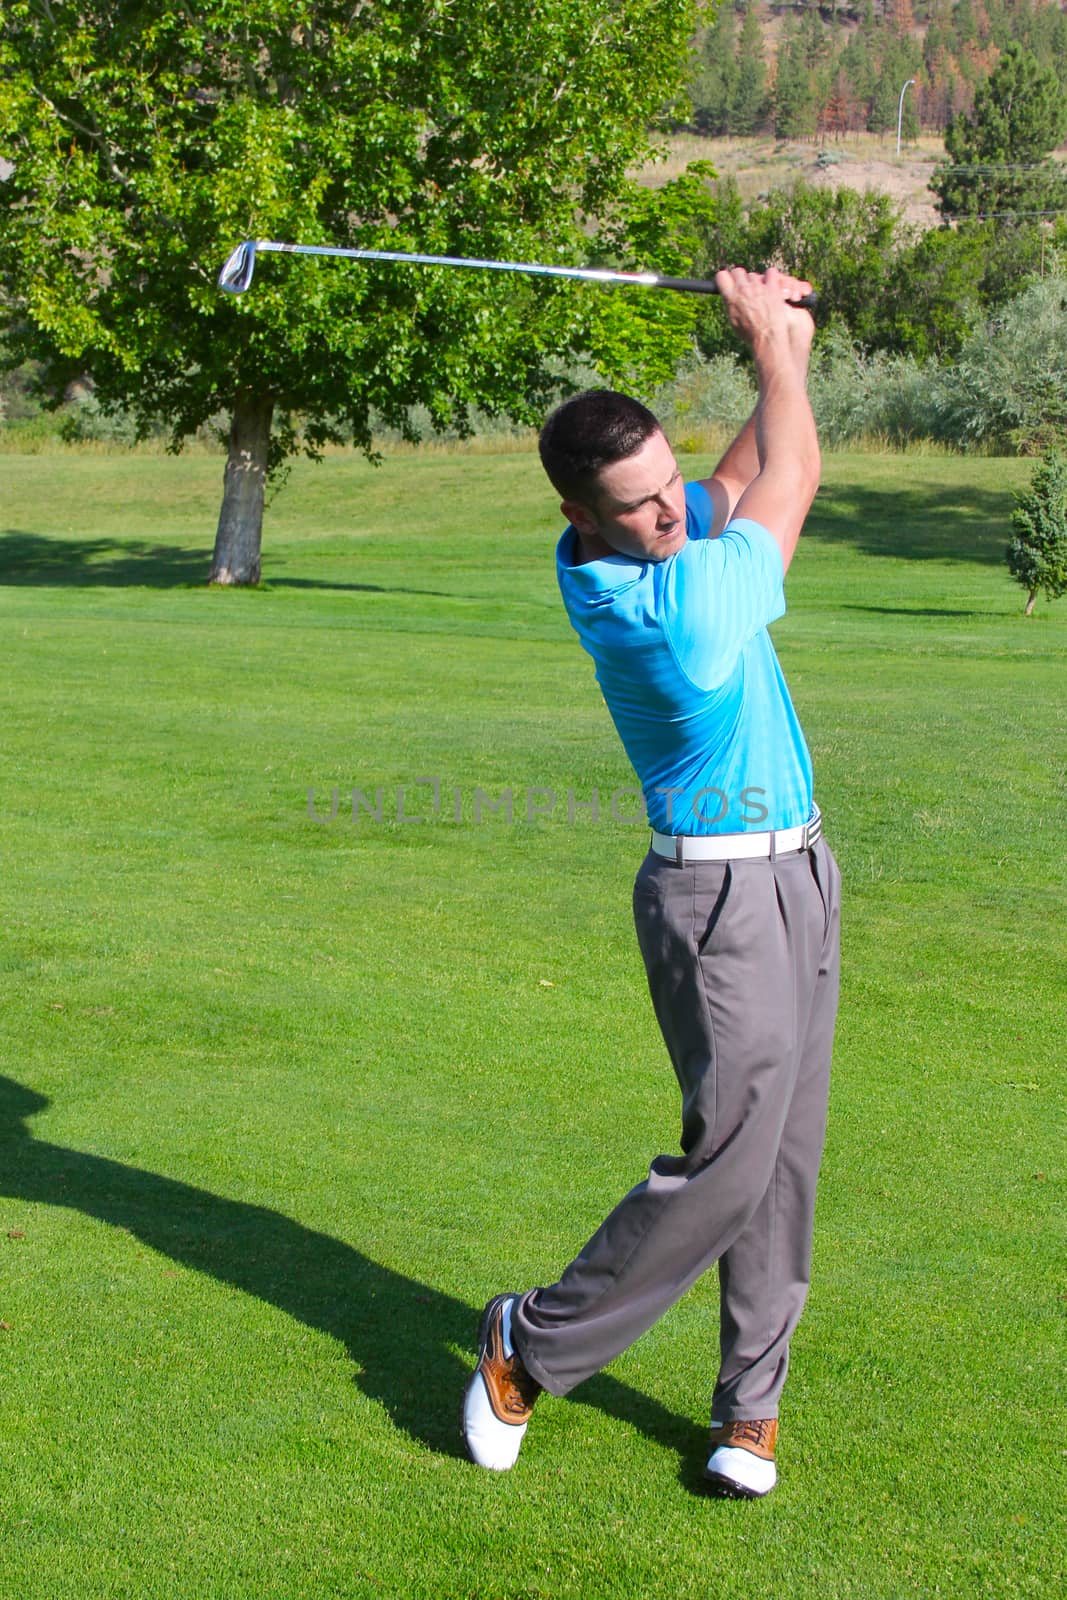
{"x": 284, "y": 1102}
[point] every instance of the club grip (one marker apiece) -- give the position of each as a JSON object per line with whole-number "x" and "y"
{"x": 709, "y": 286}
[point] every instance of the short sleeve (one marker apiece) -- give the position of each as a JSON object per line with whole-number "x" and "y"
{"x": 699, "y": 511}
{"x": 717, "y": 594}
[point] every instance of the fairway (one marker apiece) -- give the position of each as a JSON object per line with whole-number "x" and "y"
{"x": 284, "y": 1099}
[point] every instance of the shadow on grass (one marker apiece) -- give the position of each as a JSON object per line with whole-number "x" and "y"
{"x": 40, "y": 561}
{"x": 362, "y": 588}
{"x": 914, "y": 524}
{"x": 918, "y": 523}
{"x": 400, "y": 1333}
{"x": 36, "y": 560}
{"x": 912, "y": 611}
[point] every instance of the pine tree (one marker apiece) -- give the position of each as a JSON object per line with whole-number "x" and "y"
{"x": 860, "y": 69}
{"x": 998, "y": 164}
{"x": 882, "y": 117}
{"x": 1037, "y": 554}
{"x": 748, "y": 107}
{"x": 965, "y": 23}
{"x": 713, "y": 85}
{"x": 938, "y": 81}
{"x": 902, "y": 17}
{"x": 815, "y": 41}
{"x": 794, "y": 99}
{"x": 837, "y": 114}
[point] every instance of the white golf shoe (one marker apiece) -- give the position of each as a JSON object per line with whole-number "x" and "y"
{"x": 741, "y": 1464}
{"x": 500, "y": 1396}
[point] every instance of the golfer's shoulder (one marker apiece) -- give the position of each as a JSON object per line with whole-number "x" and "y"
{"x": 752, "y": 540}
{"x": 742, "y": 542}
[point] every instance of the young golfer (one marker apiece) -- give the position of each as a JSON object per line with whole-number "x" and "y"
{"x": 671, "y": 588}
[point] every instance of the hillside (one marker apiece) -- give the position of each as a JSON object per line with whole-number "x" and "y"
{"x": 802, "y": 70}
{"x": 859, "y": 160}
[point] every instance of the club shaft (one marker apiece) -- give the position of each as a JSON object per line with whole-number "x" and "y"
{"x": 650, "y": 280}
{"x": 647, "y": 280}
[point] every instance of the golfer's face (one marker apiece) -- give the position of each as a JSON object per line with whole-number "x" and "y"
{"x": 640, "y": 509}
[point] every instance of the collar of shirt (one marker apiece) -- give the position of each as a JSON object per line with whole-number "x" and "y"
{"x": 593, "y": 577}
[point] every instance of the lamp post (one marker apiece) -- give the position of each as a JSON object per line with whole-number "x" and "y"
{"x": 900, "y": 110}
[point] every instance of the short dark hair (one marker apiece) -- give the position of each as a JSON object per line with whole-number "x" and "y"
{"x": 590, "y": 431}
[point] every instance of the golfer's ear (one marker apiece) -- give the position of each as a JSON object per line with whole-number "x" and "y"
{"x": 579, "y": 516}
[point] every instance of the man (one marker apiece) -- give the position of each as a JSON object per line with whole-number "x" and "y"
{"x": 671, "y": 589}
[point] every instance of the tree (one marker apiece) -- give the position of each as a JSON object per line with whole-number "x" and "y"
{"x": 935, "y": 290}
{"x": 842, "y": 241}
{"x": 836, "y": 115}
{"x": 902, "y": 17}
{"x": 748, "y": 106}
{"x": 714, "y": 82}
{"x": 147, "y": 139}
{"x": 998, "y": 166}
{"x": 795, "y": 108}
{"x": 1037, "y": 554}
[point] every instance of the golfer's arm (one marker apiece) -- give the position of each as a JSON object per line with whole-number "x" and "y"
{"x": 732, "y": 476}
{"x": 780, "y": 494}
{"x": 740, "y": 464}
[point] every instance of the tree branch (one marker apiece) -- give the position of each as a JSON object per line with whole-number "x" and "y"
{"x": 92, "y": 134}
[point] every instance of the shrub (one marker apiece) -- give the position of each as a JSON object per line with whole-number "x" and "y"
{"x": 705, "y": 402}
{"x": 85, "y": 421}
{"x": 856, "y": 395}
{"x": 20, "y": 399}
{"x": 1008, "y": 387}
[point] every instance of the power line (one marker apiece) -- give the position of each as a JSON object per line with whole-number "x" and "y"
{"x": 992, "y": 216}
{"x": 1001, "y": 169}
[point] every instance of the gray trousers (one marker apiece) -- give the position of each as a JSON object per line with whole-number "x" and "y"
{"x": 743, "y": 962}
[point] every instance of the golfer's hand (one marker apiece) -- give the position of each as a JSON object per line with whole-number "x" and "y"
{"x": 757, "y": 304}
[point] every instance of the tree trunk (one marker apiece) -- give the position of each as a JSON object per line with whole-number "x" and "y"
{"x": 1030, "y": 601}
{"x": 237, "y": 542}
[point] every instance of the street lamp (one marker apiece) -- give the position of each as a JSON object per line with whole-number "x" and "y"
{"x": 900, "y": 110}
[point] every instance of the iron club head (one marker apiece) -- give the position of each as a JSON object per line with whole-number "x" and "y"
{"x": 236, "y": 275}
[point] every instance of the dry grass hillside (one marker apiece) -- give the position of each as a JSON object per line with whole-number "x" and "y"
{"x": 859, "y": 161}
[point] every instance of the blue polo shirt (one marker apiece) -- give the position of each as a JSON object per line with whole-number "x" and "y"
{"x": 689, "y": 674}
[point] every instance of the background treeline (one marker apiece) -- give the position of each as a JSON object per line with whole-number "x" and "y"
{"x": 889, "y": 285}
{"x": 803, "y": 71}
{"x": 1002, "y": 394}
{"x": 910, "y": 318}
{"x": 955, "y": 335}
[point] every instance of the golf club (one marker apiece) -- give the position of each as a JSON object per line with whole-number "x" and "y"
{"x": 236, "y": 275}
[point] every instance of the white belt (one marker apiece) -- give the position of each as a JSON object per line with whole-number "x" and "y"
{"x": 684, "y": 847}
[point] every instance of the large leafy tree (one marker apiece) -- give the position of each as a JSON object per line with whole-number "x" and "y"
{"x": 147, "y": 139}
{"x": 931, "y": 301}
{"x": 998, "y": 164}
{"x": 842, "y": 241}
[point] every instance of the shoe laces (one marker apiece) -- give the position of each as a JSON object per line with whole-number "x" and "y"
{"x": 754, "y": 1432}
{"x": 520, "y": 1390}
